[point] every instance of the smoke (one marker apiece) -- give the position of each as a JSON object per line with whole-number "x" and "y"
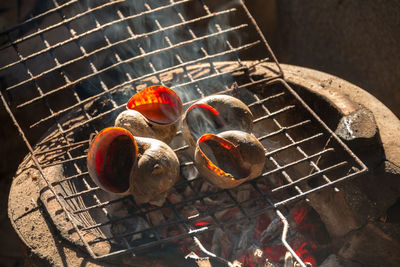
{"x": 203, "y": 119}
{"x": 99, "y": 49}
{"x": 163, "y": 36}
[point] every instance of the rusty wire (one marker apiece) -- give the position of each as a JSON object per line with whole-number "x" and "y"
{"x": 67, "y": 150}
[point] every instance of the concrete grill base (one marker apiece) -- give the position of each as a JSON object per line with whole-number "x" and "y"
{"x": 29, "y": 206}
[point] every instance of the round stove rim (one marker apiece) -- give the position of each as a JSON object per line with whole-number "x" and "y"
{"x": 296, "y": 75}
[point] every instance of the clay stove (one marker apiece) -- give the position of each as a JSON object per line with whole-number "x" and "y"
{"x": 114, "y": 50}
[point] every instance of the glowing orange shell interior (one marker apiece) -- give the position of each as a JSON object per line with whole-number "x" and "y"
{"x": 111, "y": 157}
{"x": 227, "y": 161}
{"x": 204, "y": 107}
{"x": 158, "y": 104}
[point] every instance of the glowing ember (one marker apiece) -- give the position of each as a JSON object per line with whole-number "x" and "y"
{"x": 262, "y": 224}
{"x": 299, "y": 214}
{"x": 257, "y": 242}
{"x": 304, "y": 252}
{"x": 306, "y": 219}
{"x": 201, "y": 224}
{"x": 275, "y": 253}
{"x": 158, "y": 104}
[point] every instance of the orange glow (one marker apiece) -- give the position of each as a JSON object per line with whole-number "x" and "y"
{"x": 158, "y": 104}
{"x": 201, "y": 224}
{"x": 299, "y": 214}
{"x": 275, "y": 252}
{"x": 211, "y": 166}
{"x": 205, "y": 106}
{"x": 304, "y": 252}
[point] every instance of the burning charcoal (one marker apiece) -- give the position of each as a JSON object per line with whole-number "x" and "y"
{"x": 255, "y": 257}
{"x": 225, "y": 214}
{"x": 229, "y": 158}
{"x": 243, "y": 195}
{"x": 268, "y": 263}
{"x": 290, "y": 261}
{"x": 140, "y": 225}
{"x": 120, "y": 228}
{"x": 122, "y": 164}
{"x": 236, "y": 263}
{"x": 273, "y": 231}
{"x": 189, "y": 212}
{"x": 221, "y": 245}
{"x": 246, "y": 237}
{"x": 154, "y": 112}
{"x": 215, "y": 114}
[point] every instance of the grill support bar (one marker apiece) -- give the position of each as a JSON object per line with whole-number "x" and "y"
{"x": 285, "y": 243}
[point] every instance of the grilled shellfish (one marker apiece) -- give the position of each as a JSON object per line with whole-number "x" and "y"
{"x": 215, "y": 114}
{"x": 154, "y": 112}
{"x": 123, "y": 164}
{"x": 229, "y": 158}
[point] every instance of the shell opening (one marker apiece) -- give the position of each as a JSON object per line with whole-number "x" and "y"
{"x": 111, "y": 157}
{"x": 222, "y": 157}
{"x": 158, "y": 104}
{"x": 202, "y": 119}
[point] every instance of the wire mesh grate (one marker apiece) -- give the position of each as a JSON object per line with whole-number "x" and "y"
{"x": 67, "y": 72}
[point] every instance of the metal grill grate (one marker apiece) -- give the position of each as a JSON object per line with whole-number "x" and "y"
{"x": 75, "y": 65}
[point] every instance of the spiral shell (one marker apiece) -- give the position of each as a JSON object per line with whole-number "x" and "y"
{"x": 123, "y": 164}
{"x": 154, "y": 112}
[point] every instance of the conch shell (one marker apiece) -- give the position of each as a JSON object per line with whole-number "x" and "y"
{"x": 123, "y": 164}
{"x": 229, "y": 158}
{"x": 154, "y": 112}
{"x": 215, "y": 114}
